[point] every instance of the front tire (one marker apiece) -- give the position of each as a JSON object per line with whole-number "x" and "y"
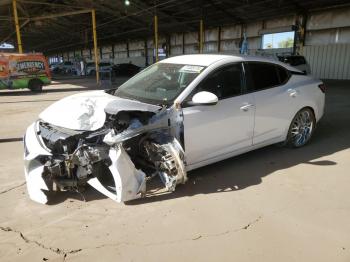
{"x": 301, "y": 129}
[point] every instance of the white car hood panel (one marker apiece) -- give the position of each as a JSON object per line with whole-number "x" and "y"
{"x": 86, "y": 111}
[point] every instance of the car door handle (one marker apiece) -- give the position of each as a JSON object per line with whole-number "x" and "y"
{"x": 246, "y": 107}
{"x": 292, "y": 92}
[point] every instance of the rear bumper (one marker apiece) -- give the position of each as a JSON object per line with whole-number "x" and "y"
{"x": 320, "y": 106}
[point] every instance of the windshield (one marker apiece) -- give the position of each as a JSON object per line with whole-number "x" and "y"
{"x": 160, "y": 83}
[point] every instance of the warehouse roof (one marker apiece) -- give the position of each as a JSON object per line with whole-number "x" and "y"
{"x": 117, "y": 21}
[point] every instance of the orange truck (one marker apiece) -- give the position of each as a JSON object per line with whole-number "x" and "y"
{"x": 19, "y": 71}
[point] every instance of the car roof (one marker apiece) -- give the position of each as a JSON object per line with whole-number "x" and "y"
{"x": 208, "y": 59}
{"x": 197, "y": 59}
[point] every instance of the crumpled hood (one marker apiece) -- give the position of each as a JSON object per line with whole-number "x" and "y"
{"x": 86, "y": 111}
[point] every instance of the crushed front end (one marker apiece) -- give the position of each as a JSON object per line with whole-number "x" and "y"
{"x": 117, "y": 159}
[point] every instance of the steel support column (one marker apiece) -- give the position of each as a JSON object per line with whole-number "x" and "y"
{"x": 18, "y": 32}
{"x": 156, "y": 37}
{"x": 201, "y": 36}
{"x": 93, "y": 16}
{"x": 219, "y": 39}
{"x": 183, "y": 43}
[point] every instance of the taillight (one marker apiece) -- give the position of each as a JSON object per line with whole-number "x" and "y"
{"x": 322, "y": 87}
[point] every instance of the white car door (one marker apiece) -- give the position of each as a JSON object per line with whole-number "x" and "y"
{"x": 214, "y": 130}
{"x": 275, "y": 101}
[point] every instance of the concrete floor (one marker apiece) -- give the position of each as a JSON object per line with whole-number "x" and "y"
{"x": 273, "y": 204}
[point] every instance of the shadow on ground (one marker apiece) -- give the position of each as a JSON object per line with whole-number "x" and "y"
{"x": 89, "y": 194}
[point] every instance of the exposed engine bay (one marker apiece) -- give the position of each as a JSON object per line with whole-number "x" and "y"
{"x": 132, "y": 146}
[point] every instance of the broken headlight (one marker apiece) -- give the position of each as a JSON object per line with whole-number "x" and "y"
{"x": 58, "y": 140}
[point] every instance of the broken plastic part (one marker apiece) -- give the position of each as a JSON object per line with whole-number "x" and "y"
{"x": 168, "y": 181}
{"x": 158, "y": 121}
{"x": 33, "y": 169}
{"x": 35, "y": 182}
{"x": 175, "y": 149}
{"x": 168, "y": 157}
{"x": 130, "y": 183}
{"x": 121, "y": 104}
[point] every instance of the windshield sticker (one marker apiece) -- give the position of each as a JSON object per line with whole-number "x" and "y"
{"x": 191, "y": 69}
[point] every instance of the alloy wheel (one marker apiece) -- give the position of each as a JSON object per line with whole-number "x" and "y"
{"x": 301, "y": 128}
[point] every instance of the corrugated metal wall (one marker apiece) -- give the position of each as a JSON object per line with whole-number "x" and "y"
{"x": 327, "y": 43}
{"x": 329, "y": 61}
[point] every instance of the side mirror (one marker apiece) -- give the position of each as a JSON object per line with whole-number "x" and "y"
{"x": 204, "y": 98}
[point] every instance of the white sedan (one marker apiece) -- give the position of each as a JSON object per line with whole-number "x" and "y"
{"x": 176, "y": 115}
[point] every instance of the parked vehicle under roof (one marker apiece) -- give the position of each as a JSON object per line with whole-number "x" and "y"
{"x": 179, "y": 114}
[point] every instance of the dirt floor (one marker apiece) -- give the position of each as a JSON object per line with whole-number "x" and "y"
{"x": 273, "y": 204}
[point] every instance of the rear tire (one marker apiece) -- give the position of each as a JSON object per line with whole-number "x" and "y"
{"x": 35, "y": 85}
{"x": 301, "y": 129}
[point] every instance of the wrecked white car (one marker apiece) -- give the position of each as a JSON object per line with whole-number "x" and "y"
{"x": 177, "y": 115}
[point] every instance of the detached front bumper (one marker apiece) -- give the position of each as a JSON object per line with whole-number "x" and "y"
{"x": 33, "y": 168}
{"x": 129, "y": 183}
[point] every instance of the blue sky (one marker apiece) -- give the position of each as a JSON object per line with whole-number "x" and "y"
{"x": 276, "y": 38}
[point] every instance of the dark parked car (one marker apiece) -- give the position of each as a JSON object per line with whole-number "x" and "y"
{"x": 297, "y": 61}
{"x": 125, "y": 69}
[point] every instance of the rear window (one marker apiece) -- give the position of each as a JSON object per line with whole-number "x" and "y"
{"x": 266, "y": 75}
{"x": 263, "y": 75}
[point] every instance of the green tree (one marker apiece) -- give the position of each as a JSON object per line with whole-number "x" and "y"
{"x": 286, "y": 43}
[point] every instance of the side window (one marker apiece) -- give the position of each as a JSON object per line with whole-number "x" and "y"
{"x": 225, "y": 82}
{"x": 263, "y": 75}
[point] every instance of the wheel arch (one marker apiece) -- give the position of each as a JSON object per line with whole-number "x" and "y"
{"x": 35, "y": 79}
{"x": 311, "y": 108}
